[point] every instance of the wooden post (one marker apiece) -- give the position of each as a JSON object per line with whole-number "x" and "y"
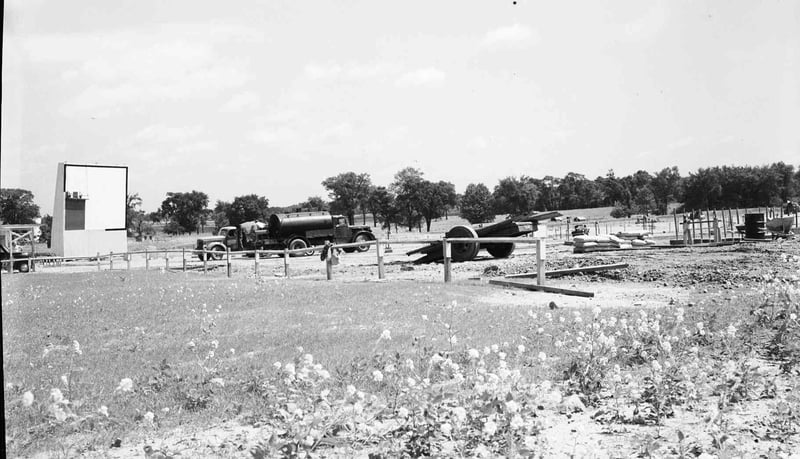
{"x": 98, "y": 261}
{"x": 166, "y": 260}
{"x": 694, "y": 235}
{"x": 540, "y": 255}
{"x": 128, "y": 260}
{"x": 146, "y": 260}
{"x": 675, "y": 217}
{"x": 328, "y": 264}
{"x": 183, "y": 258}
{"x": 111, "y": 261}
{"x": 205, "y": 261}
{"x": 724, "y": 226}
{"x": 256, "y": 270}
{"x": 446, "y": 248}
{"x": 737, "y": 215}
{"x": 286, "y": 262}
{"x": 228, "y": 259}
{"x": 379, "y": 250}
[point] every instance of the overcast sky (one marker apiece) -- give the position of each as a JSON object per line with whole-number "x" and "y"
{"x": 272, "y": 97}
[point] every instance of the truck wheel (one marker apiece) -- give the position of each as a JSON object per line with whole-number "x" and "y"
{"x": 22, "y": 267}
{"x": 216, "y": 253}
{"x": 297, "y": 244}
{"x": 463, "y": 251}
{"x": 500, "y": 249}
{"x": 362, "y": 238}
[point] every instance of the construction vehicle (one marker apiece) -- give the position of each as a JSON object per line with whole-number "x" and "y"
{"x": 285, "y": 232}
{"x": 580, "y": 230}
{"x": 515, "y": 226}
{"x": 20, "y": 260}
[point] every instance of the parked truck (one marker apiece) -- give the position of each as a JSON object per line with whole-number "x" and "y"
{"x": 286, "y": 232}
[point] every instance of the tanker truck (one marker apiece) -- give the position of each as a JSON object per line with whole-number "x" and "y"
{"x": 282, "y": 232}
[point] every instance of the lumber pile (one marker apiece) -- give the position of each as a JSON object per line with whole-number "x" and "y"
{"x": 620, "y": 241}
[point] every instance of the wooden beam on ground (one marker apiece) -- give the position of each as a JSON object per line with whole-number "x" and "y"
{"x": 541, "y": 288}
{"x": 564, "y": 272}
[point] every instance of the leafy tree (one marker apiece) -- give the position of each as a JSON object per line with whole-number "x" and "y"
{"x": 476, "y": 204}
{"x": 643, "y": 200}
{"x": 549, "y": 199}
{"x": 220, "y": 213}
{"x": 382, "y": 204}
{"x": 248, "y": 208}
{"x": 664, "y": 187}
{"x": 17, "y": 207}
{"x": 133, "y": 203}
{"x": 703, "y": 189}
{"x": 348, "y": 191}
{"x": 46, "y": 228}
{"x": 613, "y": 190}
{"x": 435, "y": 198}
{"x": 576, "y": 192}
{"x": 407, "y": 186}
{"x": 315, "y": 203}
{"x": 142, "y": 226}
{"x": 184, "y": 210}
{"x": 515, "y": 196}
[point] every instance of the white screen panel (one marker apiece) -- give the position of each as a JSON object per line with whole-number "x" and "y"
{"x": 104, "y": 189}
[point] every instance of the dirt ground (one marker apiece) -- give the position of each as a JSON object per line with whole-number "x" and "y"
{"x": 654, "y": 277}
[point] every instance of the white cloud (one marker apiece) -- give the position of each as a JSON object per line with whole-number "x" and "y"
{"x": 114, "y": 71}
{"x": 340, "y": 131}
{"x": 242, "y": 101}
{"x": 421, "y": 77}
{"x": 268, "y": 136}
{"x": 514, "y": 34}
{"x": 348, "y": 71}
{"x": 158, "y": 133}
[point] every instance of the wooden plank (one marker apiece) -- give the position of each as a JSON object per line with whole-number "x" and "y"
{"x": 564, "y": 272}
{"x": 542, "y": 288}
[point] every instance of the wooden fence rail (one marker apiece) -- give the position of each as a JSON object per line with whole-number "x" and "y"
{"x": 286, "y": 254}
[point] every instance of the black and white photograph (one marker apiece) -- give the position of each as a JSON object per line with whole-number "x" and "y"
{"x": 399, "y": 229}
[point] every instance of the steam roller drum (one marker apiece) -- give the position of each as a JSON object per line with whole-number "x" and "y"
{"x": 499, "y": 249}
{"x": 463, "y": 251}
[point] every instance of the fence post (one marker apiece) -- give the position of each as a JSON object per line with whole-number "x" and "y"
{"x": 256, "y": 268}
{"x": 111, "y": 261}
{"x": 286, "y": 262}
{"x": 183, "y": 258}
{"x": 98, "y": 261}
{"x": 146, "y": 260}
{"x": 379, "y": 250}
{"x": 446, "y": 247}
{"x": 205, "y": 260}
{"x": 329, "y": 264}
{"x": 540, "y": 255}
{"x": 166, "y": 260}
{"x": 228, "y": 259}
{"x": 128, "y": 260}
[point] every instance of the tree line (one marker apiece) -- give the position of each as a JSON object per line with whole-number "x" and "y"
{"x": 412, "y": 200}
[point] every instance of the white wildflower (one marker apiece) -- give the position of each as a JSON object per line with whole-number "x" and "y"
{"x": 27, "y": 399}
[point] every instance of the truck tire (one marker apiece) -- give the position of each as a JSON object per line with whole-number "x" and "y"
{"x": 217, "y": 252}
{"x": 363, "y": 237}
{"x": 463, "y": 251}
{"x": 500, "y": 249}
{"x": 22, "y": 266}
{"x": 297, "y": 244}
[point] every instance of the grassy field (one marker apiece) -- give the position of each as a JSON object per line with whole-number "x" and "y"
{"x": 410, "y": 368}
